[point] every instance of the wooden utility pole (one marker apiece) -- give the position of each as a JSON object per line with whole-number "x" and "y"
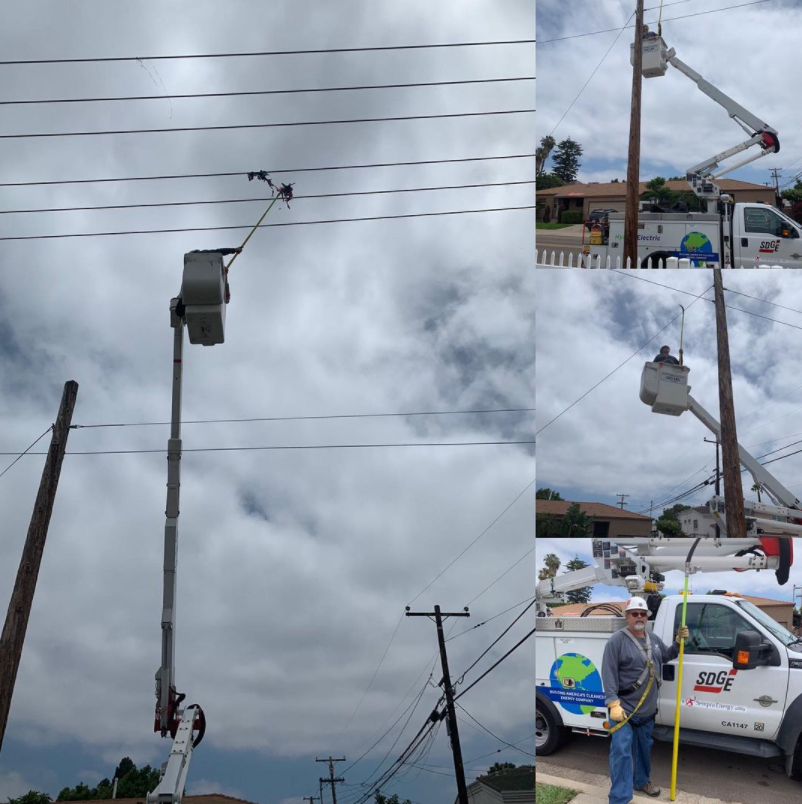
{"x": 718, "y": 479}
{"x": 331, "y": 780}
{"x": 733, "y": 491}
{"x": 633, "y": 157}
{"x": 311, "y": 799}
{"x": 451, "y": 712}
{"x": 19, "y": 608}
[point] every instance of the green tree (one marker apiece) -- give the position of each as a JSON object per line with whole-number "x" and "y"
{"x": 547, "y": 144}
{"x": 566, "y": 160}
{"x": 547, "y": 494}
{"x": 668, "y": 523}
{"x": 132, "y": 782}
{"x": 545, "y": 181}
{"x": 757, "y": 488}
{"x": 382, "y": 799}
{"x": 659, "y": 191}
{"x": 501, "y": 766}
{"x": 31, "y": 797}
{"x": 793, "y": 194}
{"x": 552, "y": 564}
{"x": 797, "y": 620}
{"x": 576, "y": 522}
{"x": 578, "y": 595}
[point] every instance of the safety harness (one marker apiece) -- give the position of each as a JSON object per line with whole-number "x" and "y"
{"x": 648, "y": 670}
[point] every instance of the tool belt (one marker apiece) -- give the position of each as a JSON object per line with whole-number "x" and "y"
{"x": 648, "y": 672}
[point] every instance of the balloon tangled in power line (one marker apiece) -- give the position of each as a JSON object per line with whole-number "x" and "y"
{"x": 282, "y": 191}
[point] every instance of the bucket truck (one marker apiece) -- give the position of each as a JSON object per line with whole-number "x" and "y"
{"x": 664, "y": 387}
{"x": 725, "y": 234}
{"x": 200, "y": 307}
{"x": 742, "y": 681}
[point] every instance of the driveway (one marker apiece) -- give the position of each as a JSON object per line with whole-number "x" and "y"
{"x": 701, "y": 771}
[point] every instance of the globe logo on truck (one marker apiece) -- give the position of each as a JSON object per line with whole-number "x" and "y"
{"x": 576, "y": 674}
{"x": 696, "y": 243}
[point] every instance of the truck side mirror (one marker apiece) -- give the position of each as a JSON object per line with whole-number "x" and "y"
{"x": 790, "y": 233}
{"x": 750, "y": 651}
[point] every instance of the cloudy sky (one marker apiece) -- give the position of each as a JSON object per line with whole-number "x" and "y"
{"x": 610, "y": 443}
{"x": 295, "y": 566}
{"x": 680, "y": 125}
{"x": 760, "y": 584}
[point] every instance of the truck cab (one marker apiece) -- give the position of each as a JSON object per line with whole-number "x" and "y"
{"x": 741, "y": 685}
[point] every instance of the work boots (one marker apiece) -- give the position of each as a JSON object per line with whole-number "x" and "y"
{"x": 650, "y": 789}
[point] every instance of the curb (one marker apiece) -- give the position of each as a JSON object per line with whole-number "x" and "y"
{"x": 588, "y": 793}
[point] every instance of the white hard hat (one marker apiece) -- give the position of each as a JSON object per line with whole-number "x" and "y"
{"x": 637, "y": 604}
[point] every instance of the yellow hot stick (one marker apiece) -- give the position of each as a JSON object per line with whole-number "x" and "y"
{"x": 673, "y": 794}
{"x": 250, "y": 234}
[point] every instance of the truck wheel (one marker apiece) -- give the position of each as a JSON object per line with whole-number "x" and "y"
{"x": 655, "y": 258}
{"x": 549, "y": 734}
{"x": 796, "y": 763}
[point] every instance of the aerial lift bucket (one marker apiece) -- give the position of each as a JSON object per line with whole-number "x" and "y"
{"x": 664, "y": 387}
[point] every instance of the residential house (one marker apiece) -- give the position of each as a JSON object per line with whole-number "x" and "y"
{"x": 609, "y": 522}
{"x": 515, "y": 786}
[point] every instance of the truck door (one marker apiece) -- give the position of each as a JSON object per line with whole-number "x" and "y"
{"x": 765, "y": 236}
{"x": 715, "y": 697}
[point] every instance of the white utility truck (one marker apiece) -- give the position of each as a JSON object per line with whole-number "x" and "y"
{"x": 742, "y": 671}
{"x": 664, "y": 387}
{"x": 726, "y": 234}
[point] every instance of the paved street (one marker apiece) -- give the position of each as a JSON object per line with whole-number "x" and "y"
{"x": 560, "y": 240}
{"x": 705, "y": 772}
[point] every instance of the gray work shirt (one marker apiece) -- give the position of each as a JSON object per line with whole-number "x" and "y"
{"x": 622, "y": 665}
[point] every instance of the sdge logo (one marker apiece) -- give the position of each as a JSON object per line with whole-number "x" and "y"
{"x": 715, "y": 682}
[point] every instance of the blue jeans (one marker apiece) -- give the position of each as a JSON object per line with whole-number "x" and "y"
{"x": 630, "y": 760}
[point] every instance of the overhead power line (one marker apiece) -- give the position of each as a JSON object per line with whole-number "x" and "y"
{"x": 509, "y": 745}
{"x": 668, "y": 19}
{"x": 286, "y": 447}
{"x": 620, "y": 365}
{"x": 244, "y": 173}
{"x": 489, "y": 619}
{"x": 263, "y": 198}
{"x": 506, "y": 571}
{"x": 26, "y": 450}
{"x": 465, "y": 550}
{"x": 308, "y": 418}
{"x": 231, "y": 127}
{"x": 110, "y": 99}
{"x": 307, "y": 52}
{"x": 267, "y": 225}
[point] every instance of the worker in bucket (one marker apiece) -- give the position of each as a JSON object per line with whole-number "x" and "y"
{"x": 632, "y": 669}
{"x": 665, "y": 356}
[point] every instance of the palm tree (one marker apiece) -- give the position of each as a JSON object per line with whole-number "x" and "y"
{"x": 542, "y": 153}
{"x": 552, "y": 563}
{"x": 756, "y": 487}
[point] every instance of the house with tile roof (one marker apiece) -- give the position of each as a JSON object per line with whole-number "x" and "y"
{"x": 609, "y": 522}
{"x": 515, "y": 786}
{"x": 588, "y": 196}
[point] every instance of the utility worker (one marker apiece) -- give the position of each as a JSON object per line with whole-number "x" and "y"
{"x": 665, "y": 356}
{"x": 632, "y": 669}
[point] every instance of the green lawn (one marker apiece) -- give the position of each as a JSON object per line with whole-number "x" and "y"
{"x": 548, "y": 794}
{"x": 541, "y": 225}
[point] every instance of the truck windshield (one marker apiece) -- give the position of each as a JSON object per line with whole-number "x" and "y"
{"x": 782, "y": 633}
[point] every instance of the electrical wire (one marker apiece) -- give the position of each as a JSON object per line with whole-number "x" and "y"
{"x": 491, "y": 645}
{"x": 313, "y": 418}
{"x": 489, "y": 619}
{"x": 590, "y": 78}
{"x": 268, "y": 225}
{"x": 264, "y": 198}
{"x": 287, "y": 447}
{"x": 105, "y": 59}
{"x": 25, "y": 451}
{"x": 670, "y": 19}
{"x": 269, "y": 91}
{"x": 765, "y": 301}
{"x": 506, "y": 571}
{"x": 621, "y": 365}
{"x": 499, "y": 750}
{"x": 509, "y": 745}
{"x": 244, "y": 173}
{"x": 240, "y": 126}
{"x": 465, "y": 550}
{"x": 496, "y": 664}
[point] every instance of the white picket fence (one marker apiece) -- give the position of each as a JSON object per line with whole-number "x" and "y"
{"x": 551, "y": 259}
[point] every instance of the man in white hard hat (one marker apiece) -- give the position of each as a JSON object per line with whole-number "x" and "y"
{"x": 631, "y": 672}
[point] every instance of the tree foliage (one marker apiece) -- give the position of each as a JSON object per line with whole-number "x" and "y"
{"x": 382, "y": 799}
{"x": 565, "y": 161}
{"x": 542, "y": 153}
{"x": 501, "y": 766}
{"x": 658, "y": 190}
{"x": 583, "y": 594}
{"x": 545, "y": 181}
{"x": 547, "y": 494}
{"x": 132, "y": 782}
{"x": 31, "y": 797}
{"x": 551, "y": 565}
{"x": 668, "y": 523}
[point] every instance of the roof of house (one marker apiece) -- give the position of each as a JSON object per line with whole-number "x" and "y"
{"x": 607, "y": 188}
{"x": 212, "y": 798}
{"x": 602, "y": 510}
{"x": 576, "y": 609}
{"x": 522, "y": 778}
